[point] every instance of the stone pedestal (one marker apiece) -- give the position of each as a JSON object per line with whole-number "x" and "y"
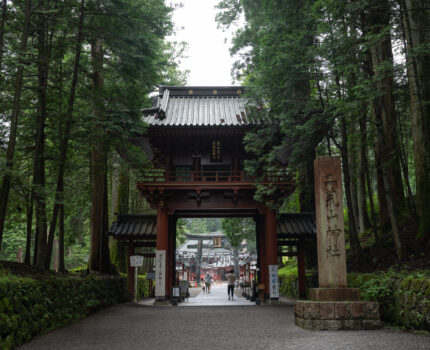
{"x": 337, "y": 315}
{"x": 334, "y": 294}
{"x": 333, "y": 306}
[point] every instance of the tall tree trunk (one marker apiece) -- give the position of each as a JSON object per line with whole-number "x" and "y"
{"x": 306, "y": 185}
{"x": 29, "y": 210}
{"x": 352, "y": 158}
{"x": 39, "y": 149}
{"x": 99, "y": 208}
{"x": 118, "y": 249}
{"x": 417, "y": 25}
{"x": 64, "y": 144}
{"x": 363, "y": 164}
{"x": 353, "y": 236}
{"x": 2, "y": 25}
{"x": 14, "y": 120}
{"x": 105, "y": 264}
{"x": 61, "y": 265}
{"x": 385, "y": 117}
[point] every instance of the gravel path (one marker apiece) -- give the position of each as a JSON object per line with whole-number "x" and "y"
{"x": 131, "y": 326}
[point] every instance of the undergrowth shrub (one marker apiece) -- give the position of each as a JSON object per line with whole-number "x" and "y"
{"x": 29, "y": 307}
{"x": 404, "y": 297}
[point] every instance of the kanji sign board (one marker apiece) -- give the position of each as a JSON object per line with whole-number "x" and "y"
{"x": 273, "y": 279}
{"x": 136, "y": 260}
{"x": 160, "y": 273}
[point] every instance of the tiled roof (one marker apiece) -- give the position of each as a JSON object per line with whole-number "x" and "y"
{"x": 297, "y": 225}
{"x": 134, "y": 227}
{"x": 198, "y": 106}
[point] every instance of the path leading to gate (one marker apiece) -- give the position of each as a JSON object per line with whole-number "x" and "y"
{"x": 132, "y": 326}
{"x": 216, "y": 297}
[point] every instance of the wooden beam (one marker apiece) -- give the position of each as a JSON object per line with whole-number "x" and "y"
{"x": 288, "y": 243}
{"x": 287, "y": 253}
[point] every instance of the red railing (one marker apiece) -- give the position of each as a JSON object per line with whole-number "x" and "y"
{"x": 276, "y": 177}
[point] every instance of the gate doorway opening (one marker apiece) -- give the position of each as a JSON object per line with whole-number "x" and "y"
{"x": 209, "y": 252}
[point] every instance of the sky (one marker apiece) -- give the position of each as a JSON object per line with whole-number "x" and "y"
{"x": 208, "y": 58}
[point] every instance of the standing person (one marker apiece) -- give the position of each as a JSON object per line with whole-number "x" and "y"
{"x": 208, "y": 280}
{"x": 231, "y": 280}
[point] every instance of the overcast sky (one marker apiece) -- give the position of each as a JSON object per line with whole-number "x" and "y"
{"x": 209, "y": 60}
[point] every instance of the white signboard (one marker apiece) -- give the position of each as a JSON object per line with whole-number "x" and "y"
{"x": 160, "y": 273}
{"x": 273, "y": 279}
{"x": 136, "y": 260}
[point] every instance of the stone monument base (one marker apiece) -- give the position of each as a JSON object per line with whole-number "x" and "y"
{"x": 336, "y": 315}
{"x": 333, "y": 294}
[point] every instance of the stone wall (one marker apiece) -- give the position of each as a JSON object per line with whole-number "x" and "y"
{"x": 404, "y": 300}
{"x": 336, "y": 315}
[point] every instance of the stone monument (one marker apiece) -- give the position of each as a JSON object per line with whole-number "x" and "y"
{"x": 332, "y": 305}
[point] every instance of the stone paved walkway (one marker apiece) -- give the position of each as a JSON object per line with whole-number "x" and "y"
{"x": 216, "y": 297}
{"x": 132, "y": 326}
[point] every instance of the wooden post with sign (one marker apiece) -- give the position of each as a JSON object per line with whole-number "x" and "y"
{"x": 135, "y": 262}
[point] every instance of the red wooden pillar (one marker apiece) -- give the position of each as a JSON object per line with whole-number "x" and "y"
{"x": 264, "y": 275}
{"x": 130, "y": 272}
{"x": 301, "y": 269}
{"x": 162, "y": 245}
{"x": 271, "y": 245}
{"x": 171, "y": 261}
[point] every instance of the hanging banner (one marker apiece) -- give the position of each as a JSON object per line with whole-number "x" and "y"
{"x": 273, "y": 278}
{"x": 160, "y": 273}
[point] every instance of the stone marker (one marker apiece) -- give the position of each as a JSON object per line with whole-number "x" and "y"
{"x": 332, "y": 306}
{"x": 330, "y": 233}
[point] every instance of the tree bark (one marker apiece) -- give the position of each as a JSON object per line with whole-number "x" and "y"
{"x": 14, "y": 120}
{"x": 385, "y": 117}
{"x": 29, "y": 210}
{"x": 44, "y": 45}
{"x": 352, "y": 159}
{"x": 363, "y": 165}
{"x": 59, "y": 193}
{"x": 2, "y": 25}
{"x": 118, "y": 249}
{"x": 61, "y": 265}
{"x": 353, "y": 236}
{"x": 306, "y": 185}
{"x": 99, "y": 209}
{"x": 417, "y": 25}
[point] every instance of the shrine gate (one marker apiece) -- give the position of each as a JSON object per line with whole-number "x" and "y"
{"x": 195, "y": 142}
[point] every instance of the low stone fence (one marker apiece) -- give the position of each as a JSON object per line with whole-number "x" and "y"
{"x": 404, "y": 299}
{"x": 30, "y": 307}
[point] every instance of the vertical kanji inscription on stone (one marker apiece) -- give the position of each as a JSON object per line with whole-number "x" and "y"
{"x": 330, "y": 226}
{"x": 332, "y": 202}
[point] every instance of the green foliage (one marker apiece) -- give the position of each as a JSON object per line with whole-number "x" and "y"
{"x": 136, "y": 58}
{"x": 403, "y": 296}
{"x": 289, "y": 280}
{"x": 142, "y": 287}
{"x": 237, "y": 229}
{"x": 30, "y": 307}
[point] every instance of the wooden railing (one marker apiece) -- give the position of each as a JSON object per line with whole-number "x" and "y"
{"x": 275, "y": 177}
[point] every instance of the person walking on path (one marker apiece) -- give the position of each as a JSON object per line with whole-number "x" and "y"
{"x": 208, "y": 280}
{"x": 231, "y": 280}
